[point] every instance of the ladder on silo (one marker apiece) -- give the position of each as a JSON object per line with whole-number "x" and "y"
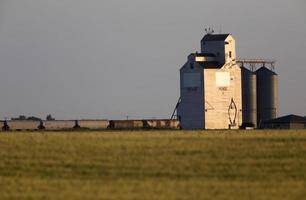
{"x": 174, "y": 114}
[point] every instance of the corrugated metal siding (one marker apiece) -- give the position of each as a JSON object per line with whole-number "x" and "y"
{"x": 274, "y": 125}
{"x": 268, "y": 125}
{"x": 162, "y": 123}
{"x": 151, "y": 123}
{"x": 93, "y": 124}
{"x": 23, "y": 125}
{"x": 126, "y": 124}
{"x": 297, "y": 126}
{"x": 59, "y": 124}
{"x": 267, "y": 94}
{"x": 249, "y": 97}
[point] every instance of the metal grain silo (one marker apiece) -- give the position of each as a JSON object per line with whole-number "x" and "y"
{"x": 267, "y": 94}
{"x": 249, "y": 97}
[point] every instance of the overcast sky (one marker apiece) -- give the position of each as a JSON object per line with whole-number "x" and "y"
{"x": 112, "y": 58}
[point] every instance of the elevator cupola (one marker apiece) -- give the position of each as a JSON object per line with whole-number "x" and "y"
{"x": 220, "y": 45}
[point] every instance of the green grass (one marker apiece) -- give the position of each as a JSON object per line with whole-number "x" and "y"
{"x": 153, "y": 165}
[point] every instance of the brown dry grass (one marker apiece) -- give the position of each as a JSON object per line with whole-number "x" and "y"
{"x": 153, "y": 165}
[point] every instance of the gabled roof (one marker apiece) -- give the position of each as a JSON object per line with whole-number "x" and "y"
{"x": 246, "y": 70}
{"x": 215, "y": 37}
{"x": 288, "y": 119}
{"x": 205, "y": 64}
{"x": 206, "y": 54}
{"x": 210, "y": 64}
{"x": 265, "y": 70}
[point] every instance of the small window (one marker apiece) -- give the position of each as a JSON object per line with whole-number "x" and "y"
{"x": 230, "y": 54}
{"x": 191, "y": 65}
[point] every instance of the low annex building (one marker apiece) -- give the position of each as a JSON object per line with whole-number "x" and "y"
{"x": 285, "y": 122}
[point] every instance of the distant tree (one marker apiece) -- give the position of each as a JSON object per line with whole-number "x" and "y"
{"x": 41, "y": 125}
{"x": 32, "y": 118}
{"x": 50, "y": 118}
{"x": 5, "y": 126}
{"x": 21, "y": 117}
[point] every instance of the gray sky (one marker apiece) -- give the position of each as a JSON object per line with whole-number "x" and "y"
{"x": 112, "y": 58}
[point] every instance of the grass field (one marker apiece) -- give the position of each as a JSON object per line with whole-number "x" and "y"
{"x": 153, "y": 165}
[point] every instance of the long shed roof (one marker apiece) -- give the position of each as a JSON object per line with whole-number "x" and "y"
{"x": 215, "y": 37}
{"x": 288, "y": 119}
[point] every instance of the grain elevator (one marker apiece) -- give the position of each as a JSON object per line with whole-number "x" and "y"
{"x": 218, "y": 91}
